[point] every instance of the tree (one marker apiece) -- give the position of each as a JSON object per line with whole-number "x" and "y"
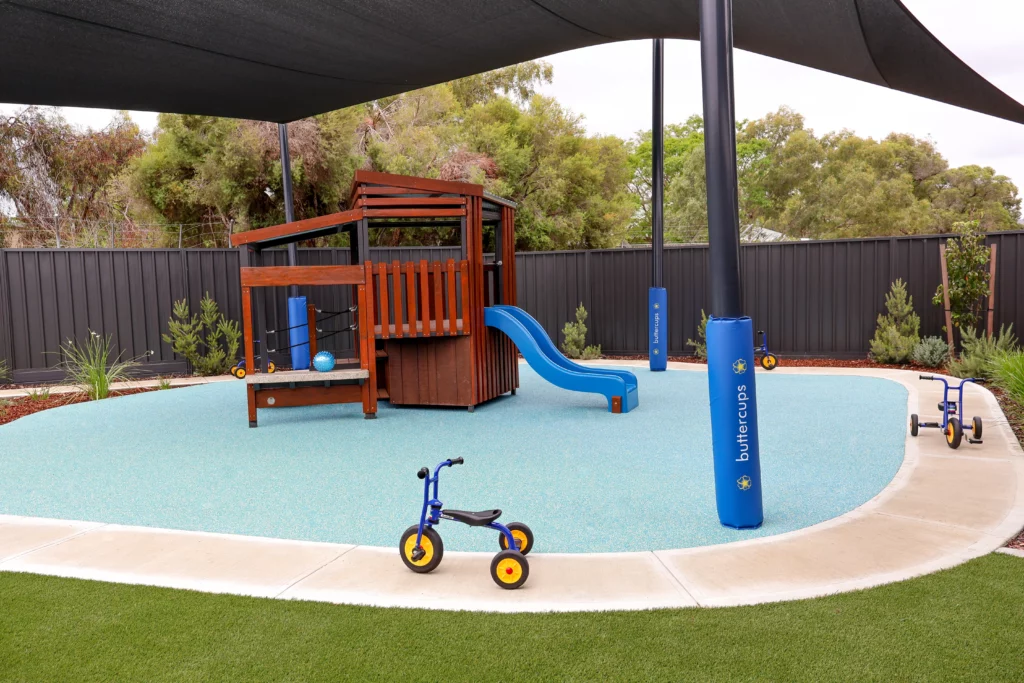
{"x": 898, "y": 330}
{"x": 967, "y": 262}
{"x": 55, "y": 177}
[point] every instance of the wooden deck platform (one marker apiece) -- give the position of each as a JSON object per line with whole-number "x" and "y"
{"x": 289, "y": 376}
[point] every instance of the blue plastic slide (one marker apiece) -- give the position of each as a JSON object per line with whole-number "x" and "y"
{"x": 542, "y": 355}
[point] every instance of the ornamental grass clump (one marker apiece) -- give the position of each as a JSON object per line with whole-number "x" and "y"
{"x": 93, "y": 365}
{"x": 897, "y": 333}
{"x": 575, "y": 335}
{"x": 1008, "y": 373}
{"x": 931, "y": 352}
{"x": 980, "y": 351}
{"x": 210, "y": 331}
{"x": 5, "y": 371}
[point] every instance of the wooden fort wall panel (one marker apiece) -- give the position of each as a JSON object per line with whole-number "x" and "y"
{"x": 501, "y": 364}
{"x": 430, "y": 371}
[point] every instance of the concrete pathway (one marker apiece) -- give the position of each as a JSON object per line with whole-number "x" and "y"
{"x": 943, "y": 508}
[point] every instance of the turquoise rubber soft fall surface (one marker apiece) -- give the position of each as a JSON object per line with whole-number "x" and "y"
{"x": 583, "y": 479}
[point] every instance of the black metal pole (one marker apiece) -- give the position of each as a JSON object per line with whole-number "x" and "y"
{"x": 286, "y": 187}
{"x": 658, "y": 167}
{"x": 720, "y": 157}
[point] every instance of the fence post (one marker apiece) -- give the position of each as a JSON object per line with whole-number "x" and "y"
{"x": 183, "y": 254}
{"x": 6, "y": 333}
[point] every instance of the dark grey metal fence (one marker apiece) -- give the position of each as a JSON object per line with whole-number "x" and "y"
{"x": 813, "y": 298}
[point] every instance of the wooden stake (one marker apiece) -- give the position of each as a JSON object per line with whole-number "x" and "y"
{"x": 945, "y": 294}
{"x": 991, "y": 291}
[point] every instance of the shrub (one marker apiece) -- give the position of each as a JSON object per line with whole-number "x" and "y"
{"x": 897, "y": 331}
{"x": 39, "y": 394}
{"x": 1008, "y": 373}
{"x": 931, "y": 352}
{"x": 700, "y": 346}
{"x": 980, "y": 351}
{"x": 5, "y": 371}
{"x": 164, "y": 384}
{"x": 575, "y": 335}
{"x": 93, "y": 367}
{"x": 189, "y": 335}
{"x": 967, "y": 260}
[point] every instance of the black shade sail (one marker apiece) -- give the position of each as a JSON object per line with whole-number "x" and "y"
{"x": 280, "y": 60}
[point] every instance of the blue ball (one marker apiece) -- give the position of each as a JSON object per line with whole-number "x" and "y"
{"x": 323, "y": 361}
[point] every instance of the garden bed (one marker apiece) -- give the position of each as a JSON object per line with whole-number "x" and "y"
{"x": 13, "y": 408}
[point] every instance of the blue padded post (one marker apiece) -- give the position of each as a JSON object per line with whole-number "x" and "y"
{"x": 298, "y": 335}
{"x": 734, "y": 422}
{"x": 657, "y": 328}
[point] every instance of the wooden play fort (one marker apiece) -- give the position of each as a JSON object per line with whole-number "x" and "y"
{"x": 437, "y": 333}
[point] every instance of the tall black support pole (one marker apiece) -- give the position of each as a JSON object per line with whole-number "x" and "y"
{"x": 298, "y": 330}
{"x": 720, "y": 157}
{"x": 729, "y": 334}
{"x": 657, "y": 342}
{"x": 658, "y": 167}
{"x": 286, "y": 188}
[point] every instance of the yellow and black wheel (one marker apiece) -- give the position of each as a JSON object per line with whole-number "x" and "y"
{"x": 976, "y": 428}
{"x": 425, "y": 558}
{"x": 915, "y": 426}
{"x": 522, "y": 534}
{"x": 509, "y": 569}
{"x": 238, "y": 372}
{"x": 270, "y": 366}
{"x": 769, "y": 361}
{"x": 954, "y": 433}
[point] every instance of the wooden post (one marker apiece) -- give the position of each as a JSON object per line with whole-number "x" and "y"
{"x": 991, "y": 291}
{"x": 250, "y": 354}
{"x": 945, "y": 294}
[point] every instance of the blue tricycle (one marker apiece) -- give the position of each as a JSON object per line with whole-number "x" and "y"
{"x": 767, "y": 359}
{"x": 421, "y": 545}
{"x": 952, "y": 414}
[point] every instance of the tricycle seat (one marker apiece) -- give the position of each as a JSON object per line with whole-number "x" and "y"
{"x": 482, "y": 518}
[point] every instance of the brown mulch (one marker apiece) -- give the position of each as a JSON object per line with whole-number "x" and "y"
{"x": 13, "y": 408}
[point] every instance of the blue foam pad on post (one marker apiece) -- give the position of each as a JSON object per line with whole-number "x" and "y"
{"x": 298, "y": 335}
{"x": 657, "y": 328}
{"x": 734, "y": 422}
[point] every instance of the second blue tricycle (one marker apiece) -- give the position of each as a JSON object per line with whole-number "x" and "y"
{"x": 952, "y": 414}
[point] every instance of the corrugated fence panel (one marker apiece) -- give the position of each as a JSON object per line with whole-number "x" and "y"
{"x": 813, "y": 298}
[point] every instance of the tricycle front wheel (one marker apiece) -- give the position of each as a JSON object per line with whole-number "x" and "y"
{"x": 509, "y": 569}
{"x": 769, "y": 361}
{"x": 914, "y": 425}
{"x": 522, "y": 535}
{"x": 429, "y": 554}
{"x": 976, "y": 428}
{"x": 954, "y": 433}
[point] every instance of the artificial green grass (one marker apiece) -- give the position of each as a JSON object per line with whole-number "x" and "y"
{"x": 965, "y": 623}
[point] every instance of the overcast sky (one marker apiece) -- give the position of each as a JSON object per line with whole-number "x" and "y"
{"x": 610, "y": 86}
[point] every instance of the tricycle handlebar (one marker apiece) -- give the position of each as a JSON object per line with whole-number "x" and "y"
{"x": 457, "y": 461}
{"x": 925, "y": 377}
{"x": 423, "y": 473}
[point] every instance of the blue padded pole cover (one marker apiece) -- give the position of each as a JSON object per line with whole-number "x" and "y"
{"x": 298, "y": 335}
{"x": 734, "y": 422}
{"x": 657, "y": 327}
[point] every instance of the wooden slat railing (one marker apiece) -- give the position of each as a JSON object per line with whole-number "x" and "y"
{"x": 418, "y": 299}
